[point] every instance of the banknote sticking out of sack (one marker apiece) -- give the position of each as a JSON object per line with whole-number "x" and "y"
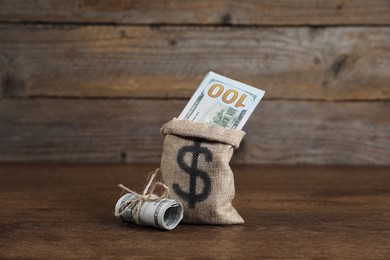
{"x": 195, "y": 166}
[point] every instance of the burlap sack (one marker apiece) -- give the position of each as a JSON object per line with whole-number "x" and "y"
{"x": 195, "y": 166}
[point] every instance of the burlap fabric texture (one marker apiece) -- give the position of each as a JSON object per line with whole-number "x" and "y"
{"x": 195, "y": 166}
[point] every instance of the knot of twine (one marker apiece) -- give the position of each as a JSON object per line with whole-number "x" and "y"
{"x": 147, "y": 195}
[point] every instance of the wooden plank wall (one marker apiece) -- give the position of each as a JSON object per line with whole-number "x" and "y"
{"x": 93, "y": 81}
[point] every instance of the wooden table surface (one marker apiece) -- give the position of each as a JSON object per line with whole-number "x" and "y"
{"x": 61, "y": 211}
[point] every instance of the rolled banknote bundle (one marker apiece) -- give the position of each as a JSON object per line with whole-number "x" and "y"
{"x": 163, "y": 213}
{"x": 149, "y": 209}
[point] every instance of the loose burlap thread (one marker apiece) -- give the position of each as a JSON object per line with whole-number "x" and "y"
{"x": 147, "y": 195}
{"x": 195, "y": 167}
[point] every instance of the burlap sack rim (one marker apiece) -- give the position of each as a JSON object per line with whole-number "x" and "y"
{"x": 215, "y": 133}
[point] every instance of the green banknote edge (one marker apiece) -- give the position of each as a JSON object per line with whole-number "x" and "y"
{"x": 199, "y": 99}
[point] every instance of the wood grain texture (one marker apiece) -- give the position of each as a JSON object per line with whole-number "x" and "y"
{"x": 278, "y": 132}
{"x": 53, "y": 211}
{"x": 289, "y": 63}
{"x": 218, "y": 12}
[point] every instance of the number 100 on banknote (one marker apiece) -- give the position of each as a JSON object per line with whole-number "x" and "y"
{"x": 222, "y": 101}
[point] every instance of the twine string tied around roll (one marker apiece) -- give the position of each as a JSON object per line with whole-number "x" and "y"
{"x": 147, "y": 195}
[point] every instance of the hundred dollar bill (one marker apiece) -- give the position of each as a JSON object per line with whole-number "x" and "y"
{"x": 164, "y": 213}
{"x": 222, "y": 101}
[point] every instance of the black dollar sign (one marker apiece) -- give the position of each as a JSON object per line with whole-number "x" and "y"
{"x": 194, "y": 173}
